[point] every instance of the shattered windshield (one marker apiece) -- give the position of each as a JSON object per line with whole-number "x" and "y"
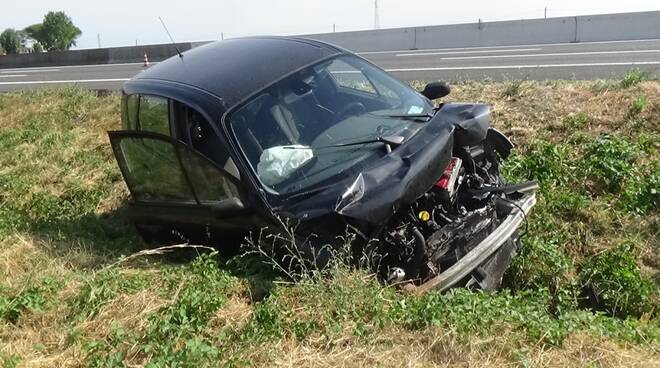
{"x": 295, "y": 133}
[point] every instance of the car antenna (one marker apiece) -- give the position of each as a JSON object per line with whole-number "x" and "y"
{"x": 171, "y": 39}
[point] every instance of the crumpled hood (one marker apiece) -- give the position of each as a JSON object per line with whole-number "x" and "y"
{"x": 402, "y": 176}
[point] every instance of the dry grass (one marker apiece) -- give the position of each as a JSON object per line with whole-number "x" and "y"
{"x": 542, "y": 107}
{"x": 77, "y": 245}
{"x": 445, "y": 348}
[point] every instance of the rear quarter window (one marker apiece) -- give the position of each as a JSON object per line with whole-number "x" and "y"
{"x": 153, "y": 115}
{"x": 130, "y": 112}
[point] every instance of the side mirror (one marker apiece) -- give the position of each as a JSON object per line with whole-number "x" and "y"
{"x": 228, "y": 208}
{"x": 436, "y": 90}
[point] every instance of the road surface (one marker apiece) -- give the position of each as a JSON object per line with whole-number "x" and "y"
{"x": 593, "y": 60}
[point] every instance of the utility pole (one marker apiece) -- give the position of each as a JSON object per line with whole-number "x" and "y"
{"x": 98, "y": 39}
{"x": 545, "y": 13}
{"x": 334, "y": 28}
{"x": 376, "y": 16}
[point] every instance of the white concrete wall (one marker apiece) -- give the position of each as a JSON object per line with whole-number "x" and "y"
{"x": 610, "y": 27}
{"x": 617, "y": 27}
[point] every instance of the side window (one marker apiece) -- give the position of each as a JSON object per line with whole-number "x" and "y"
{"x": 203, "y": 138}
{"x": 158, "y": 169}
{"x": 196, "y": 131}
{"x": 154, "y": 115}
{"x": 130, "y": 112}
{"x": 209, "y": 183}
{"x": 153, "y": 170}
{"x": 384, "y": 90}
{"x": 348, "y": 76}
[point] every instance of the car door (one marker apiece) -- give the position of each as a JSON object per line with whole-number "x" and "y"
{"x": 170, "y": 182}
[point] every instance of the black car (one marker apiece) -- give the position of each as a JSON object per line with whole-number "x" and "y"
{"x": 253, "y": 134}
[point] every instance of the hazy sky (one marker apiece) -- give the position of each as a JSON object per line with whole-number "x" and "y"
{"x": 122, "y": 22}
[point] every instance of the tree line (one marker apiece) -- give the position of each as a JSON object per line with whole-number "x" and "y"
{"x": 55, "y": 33}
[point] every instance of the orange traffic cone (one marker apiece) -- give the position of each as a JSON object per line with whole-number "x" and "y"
{"x": 146, "y": 61}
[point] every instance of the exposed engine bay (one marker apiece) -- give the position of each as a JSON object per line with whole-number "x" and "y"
{"x": 467, "y": 204}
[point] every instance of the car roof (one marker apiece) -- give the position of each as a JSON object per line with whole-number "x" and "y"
{"x": 236, "y": 68}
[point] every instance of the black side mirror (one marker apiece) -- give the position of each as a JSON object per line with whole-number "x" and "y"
{"x": 436, "y": 90}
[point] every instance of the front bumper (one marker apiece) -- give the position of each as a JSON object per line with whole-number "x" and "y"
{"x": 483, "y": 251}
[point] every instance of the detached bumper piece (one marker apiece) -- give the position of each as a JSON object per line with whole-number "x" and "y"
{"x": 485, "y": 253}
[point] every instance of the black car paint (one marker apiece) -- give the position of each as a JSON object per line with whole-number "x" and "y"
{"x": 212, "y": 79}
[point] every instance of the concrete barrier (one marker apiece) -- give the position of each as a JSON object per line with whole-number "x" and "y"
{"x": 135, "y": 54}
{"x": 520, "y": 32}
{"x": 609, "y": 27}
{"x": 128, "y": 54}
{"x": 618, "y": 27}
{"x": 54, "y": 58}
{"x": 377, "y": 40}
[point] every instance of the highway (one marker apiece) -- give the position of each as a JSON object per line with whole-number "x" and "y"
{"x": 595, "y": 60}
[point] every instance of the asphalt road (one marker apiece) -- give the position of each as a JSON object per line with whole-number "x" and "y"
{"x": 595, "y": 60}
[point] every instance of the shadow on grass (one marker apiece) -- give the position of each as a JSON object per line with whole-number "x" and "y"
{"x": 95, "y": 241}
{"x": 89, "y": 241}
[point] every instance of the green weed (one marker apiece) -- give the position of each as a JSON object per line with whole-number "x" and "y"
{"x": 632, "y": 78}
{"x": 641, "y": 193}
{"x": 548, "y": 163}
{"x": 513, "y": 89}
{"x": 34, "y": 297}
{"x": 9, "y": 361}
{"x": 637, "y": 106}
{"x": 609, "y": 161}
{"x": 576, "y": 121}
{"x": 177, "y": 334}
{"x": 103, "y": 288}
{"x": 615, "y": 285}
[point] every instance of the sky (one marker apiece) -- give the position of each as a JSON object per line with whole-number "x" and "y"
{"x": 125, "y": 22}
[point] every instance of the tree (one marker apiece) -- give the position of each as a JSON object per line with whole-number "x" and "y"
{"x": 12, "y": 41}
{"x": 57, "y": 32}
{"x": 37, "y": 48}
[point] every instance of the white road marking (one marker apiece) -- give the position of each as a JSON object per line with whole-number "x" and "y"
{"x": 65, "y": 81}
{"x": 13, "y": 76}
{"x": 464, "y": 52}
{"x": 523, "y": 66}
{"x": 551, "y": 54}
{"x": 29, "y": 71}
{"x": 510, "y": 46}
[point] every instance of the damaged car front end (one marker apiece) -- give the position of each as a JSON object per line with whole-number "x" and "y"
{"x": 237, "y": 135}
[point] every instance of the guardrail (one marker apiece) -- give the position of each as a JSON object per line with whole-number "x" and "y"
{"x": 608, "y": 27}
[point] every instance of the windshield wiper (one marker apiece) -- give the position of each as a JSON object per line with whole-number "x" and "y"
{"x": 426, "y": 116}
{"x": 391, "y": 141}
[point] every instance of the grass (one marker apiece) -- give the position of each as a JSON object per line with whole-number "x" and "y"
{"x": 583, "y": 290}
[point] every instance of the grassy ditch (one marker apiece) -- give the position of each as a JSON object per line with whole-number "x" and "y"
{"x": 584, "y": 290}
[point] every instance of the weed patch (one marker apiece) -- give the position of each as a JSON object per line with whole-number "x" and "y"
{"x": 102, "y": 288}
{"x": 609, "y": 161}
{"x": 633, "y": 77}
{"x": 576, "y": 121}
{"x": 614, "y": 284}
{"x": 33, "y": 297}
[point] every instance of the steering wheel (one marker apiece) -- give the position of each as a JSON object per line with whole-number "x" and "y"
{"x": 353, "y": 108}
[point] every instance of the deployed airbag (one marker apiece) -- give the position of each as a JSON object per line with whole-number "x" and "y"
{"x": 276, "y": 164}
